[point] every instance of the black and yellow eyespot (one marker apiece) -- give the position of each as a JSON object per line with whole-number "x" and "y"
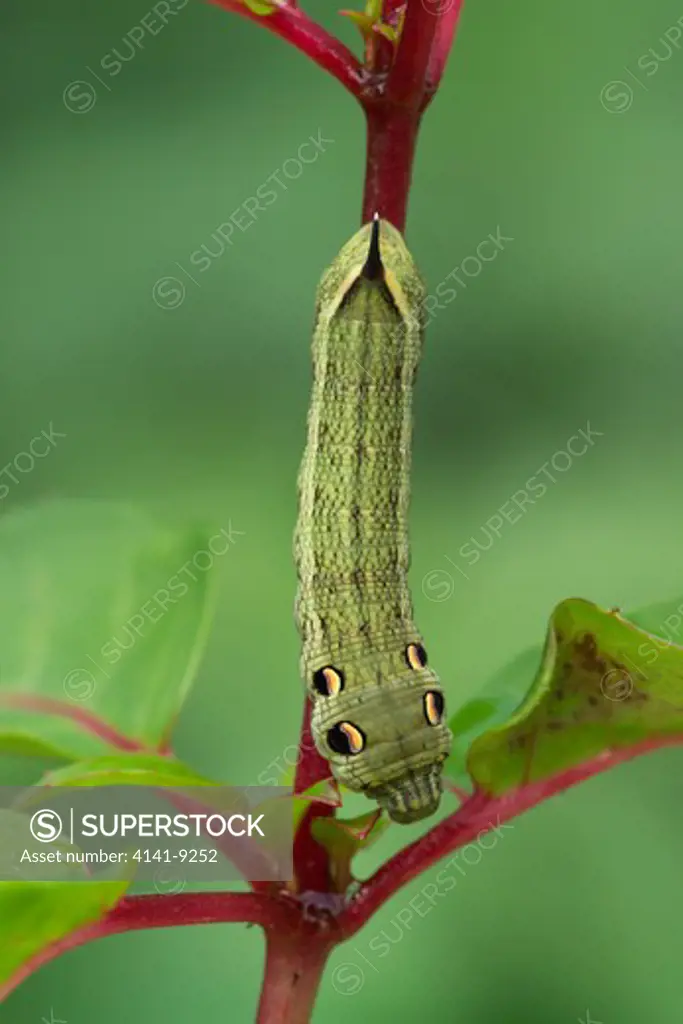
{"x": 416, "y": 656}
{"x": 328, "y": 681}
{"x": 434, "y": 707}
{"x": 346, "y": 738}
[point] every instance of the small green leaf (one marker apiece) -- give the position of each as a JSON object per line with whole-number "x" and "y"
{"x": 604, "y": 684}
{"x": 370, "y": 21}
{"x": 36, "y": 914}
{"x": 103, "y": 614}
{"x": 343, "y": 839}
{"x": 258, "y": 7}
{"x": 325, "y": 792}
{"x": 373, "y": 9}
{"x": 352, "y": 833}
{"x": 361, "y": 20}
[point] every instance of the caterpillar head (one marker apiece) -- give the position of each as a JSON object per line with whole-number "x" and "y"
{"x": 382, "y": 727}
{"x": 377, "y": 251}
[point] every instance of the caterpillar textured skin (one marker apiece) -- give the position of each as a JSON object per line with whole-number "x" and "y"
{"x": 378, "y": 713}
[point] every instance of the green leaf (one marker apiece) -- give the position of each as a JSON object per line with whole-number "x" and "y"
{"x": 150, "y": 770}
{"x": 127, "y": 770}
{"x": 102, "y": 613}
{"x": 604, "y": 684}
{"x": 36, "y": 914}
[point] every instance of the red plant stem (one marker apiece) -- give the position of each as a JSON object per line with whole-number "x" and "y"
{"x": 311, "y": 861}
{"x": 311, "y": 766}
{"x": 478, "y": 815}
{"x": 280, "y": 917}
{"x": 394, "y": 110}
{"x": 294, "y": 967}
{"x": 295, "y": 27}
{"x": 136, "y": 912}
{"x": 85, "y": 719}
{"x": 443, "y": 42}
{"x": 391, "y": 138}
{"x": 408, "y": 77}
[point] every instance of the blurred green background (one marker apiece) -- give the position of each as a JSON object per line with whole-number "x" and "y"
{"x": 200, "y": 410}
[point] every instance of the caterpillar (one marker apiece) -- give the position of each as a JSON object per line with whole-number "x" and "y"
{"x": 378, "y": 710}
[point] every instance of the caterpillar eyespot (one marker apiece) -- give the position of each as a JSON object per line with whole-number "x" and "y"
{"x": 328, "y": 682}
{"x": 346, "y": 739}
{"x": 416, "y": 656}
{"x": 354, "y": 607}
{"x": 434, "y": 707}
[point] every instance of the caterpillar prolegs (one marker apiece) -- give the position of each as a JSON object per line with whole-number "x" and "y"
{"x": 378, "y": 707}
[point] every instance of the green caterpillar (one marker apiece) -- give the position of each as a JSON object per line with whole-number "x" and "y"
{"x": 378, "y": 709}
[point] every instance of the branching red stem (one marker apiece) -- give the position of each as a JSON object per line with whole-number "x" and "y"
{"x": 393, "y": 100}
{"x": 408, "y": 77}
{"x": 478, "y": 815}
{"x": 394, "y": 108}
{"x": 295, "y": 27}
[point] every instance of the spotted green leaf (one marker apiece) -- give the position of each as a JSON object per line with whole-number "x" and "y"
{"x": 604, "y": 684}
